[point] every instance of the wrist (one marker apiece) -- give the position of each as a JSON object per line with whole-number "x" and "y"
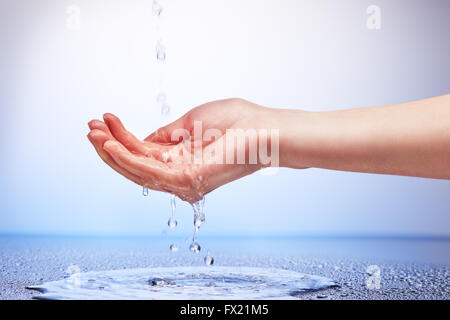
{"x": 296, "y": 136}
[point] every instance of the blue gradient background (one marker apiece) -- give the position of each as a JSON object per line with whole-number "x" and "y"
{"x": 315, "y": 55}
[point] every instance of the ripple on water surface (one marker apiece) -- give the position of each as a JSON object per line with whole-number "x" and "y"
{"x": 184, "y": 283}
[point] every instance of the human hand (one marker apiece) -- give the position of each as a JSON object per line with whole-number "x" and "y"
{"x": 169, "y": 159}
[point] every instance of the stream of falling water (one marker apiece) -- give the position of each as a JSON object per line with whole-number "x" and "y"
{"x": 161, "y": 100}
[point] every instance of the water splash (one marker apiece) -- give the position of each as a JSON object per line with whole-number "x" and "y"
{"x": 185, "y": 283}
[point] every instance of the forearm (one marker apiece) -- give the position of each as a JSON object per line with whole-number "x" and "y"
{"x": 407, "y": 139}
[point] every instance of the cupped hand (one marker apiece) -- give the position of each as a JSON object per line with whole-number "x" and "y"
{"x": 168, "y": 160}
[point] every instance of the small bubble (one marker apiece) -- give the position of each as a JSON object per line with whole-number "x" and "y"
{"x": 156, "y": 8}
{"x": 209, "y": 260}
{"x": 172, "y": 223}
{"x": 194, "y": 247}
{"x": 173, "y": 248}
{"x": 200, "y": 178}
{"x": 145, "y": 191}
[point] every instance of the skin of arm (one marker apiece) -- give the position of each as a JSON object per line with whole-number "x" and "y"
{"x": 411, "y": 139}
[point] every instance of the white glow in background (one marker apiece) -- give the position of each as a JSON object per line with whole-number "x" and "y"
{"x": 316, "y": 55}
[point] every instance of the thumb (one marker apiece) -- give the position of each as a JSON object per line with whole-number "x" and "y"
{"x": 172, "y": 133}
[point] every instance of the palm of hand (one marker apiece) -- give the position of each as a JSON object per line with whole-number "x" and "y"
{"x": 159, "y": 162}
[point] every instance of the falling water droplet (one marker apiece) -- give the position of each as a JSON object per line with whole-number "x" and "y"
{"x": 160, "y": 51}
{"x": 165, "y": 109}
{"x": 173, "y": 203}
{"x": 156, "y": 8}
{"x": 172, "y": 223}
{"x": 199, "y": 215}
{"x": 199, "y": 218}
{"x": 209, "y": 260}
{"x": 173, "y": 248}
{"x": 197, "y": 223}
{"x": 145, "y": 191}
{"x": 161, "y": 98}
{"x": 194, "y": 247}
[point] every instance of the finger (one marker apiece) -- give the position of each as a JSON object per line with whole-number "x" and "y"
{"x": 173, "y": 133}
{"x": 98, "y": 138}
{"x": 152, "y": 149}
{"x": 142, "y": 167}
{"x": 100, "y": 125}
{"x": 125, "y": 137}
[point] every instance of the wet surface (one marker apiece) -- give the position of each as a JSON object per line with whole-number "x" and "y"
{"x": 409, "y": 269}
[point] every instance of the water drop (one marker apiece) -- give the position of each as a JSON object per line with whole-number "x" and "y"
{"x": 194, "y": 247}
{"x": 198, "y": 222}
{"x": 209, "y": 260}
{"x": 172, "y": 223}
{"x": 161, "y": 98}
{"x": 173, "y": 203}
{"x": 160, "y": 51}
{"x": 199, "y": 215}
{"x": 165, "y": 109}
{"x": 165, "y": 156}
{"x": 173, "y": 248}
{"x": 158, "y": 282}
{"x": 145, "y": 191}
{"x": 156, "y": 8}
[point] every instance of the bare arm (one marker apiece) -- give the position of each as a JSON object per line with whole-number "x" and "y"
{"x": 410, "y": 139}
{"x": 406, "y": 139}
